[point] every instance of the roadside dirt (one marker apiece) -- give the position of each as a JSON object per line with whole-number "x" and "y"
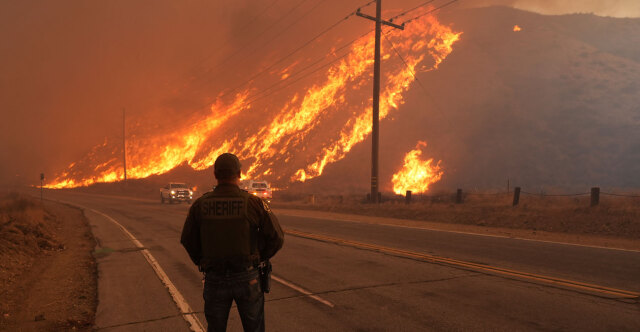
{"x": 48, "y": 278}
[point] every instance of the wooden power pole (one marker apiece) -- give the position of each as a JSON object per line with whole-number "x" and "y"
{"x": 376, "y": 97}
{"x": 124, "y": 144}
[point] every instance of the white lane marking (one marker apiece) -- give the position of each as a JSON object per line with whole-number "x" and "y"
{"x": 303, "y": 291}
{"x": 460, "y": 232}
{"x": 183, "y": 306}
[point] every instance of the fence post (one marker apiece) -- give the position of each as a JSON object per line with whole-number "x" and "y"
{"x": 312, "y": 199}
{"x": 516, "y": 196}
{"x": 379, "y": 197}
{"x": 408, "y": 197}
{"x": 459, "y": 196}
{"x": 595, "y": 196}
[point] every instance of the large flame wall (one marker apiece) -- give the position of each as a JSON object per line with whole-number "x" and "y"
{"x": 317, "y": 125}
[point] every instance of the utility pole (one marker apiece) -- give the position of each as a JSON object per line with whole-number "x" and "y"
{"x": 376, "y": 96}
{"x": 124, "y": 144}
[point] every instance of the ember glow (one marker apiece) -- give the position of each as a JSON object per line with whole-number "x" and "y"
{"x": 416, "y": 174}
{"x": 516, "y": 28}
{"x": 294, "y": 143}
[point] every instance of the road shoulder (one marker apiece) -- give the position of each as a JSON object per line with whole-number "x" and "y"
{"x": 48, "y": 272}
{"x": 131, "y": 297}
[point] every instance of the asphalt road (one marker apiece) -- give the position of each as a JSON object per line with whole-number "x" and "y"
{"x": 321, "y": 285}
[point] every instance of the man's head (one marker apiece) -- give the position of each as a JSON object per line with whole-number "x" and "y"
{"x": 227, "y": 168}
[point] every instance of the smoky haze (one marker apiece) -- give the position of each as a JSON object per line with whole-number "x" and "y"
{"x": 70, "y": 67}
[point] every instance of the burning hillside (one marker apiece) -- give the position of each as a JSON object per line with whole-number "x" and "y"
{"x": 315, "y": 126}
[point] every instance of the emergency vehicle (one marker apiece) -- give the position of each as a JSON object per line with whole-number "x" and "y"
{"x": 176, "y": 192}
{"x": 257, "y": 188}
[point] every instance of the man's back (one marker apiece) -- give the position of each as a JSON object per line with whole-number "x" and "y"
{"x": 227, "y": 233}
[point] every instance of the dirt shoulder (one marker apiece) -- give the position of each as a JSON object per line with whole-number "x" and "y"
{"x": 48, "y": 279}
{"x": 606, "y": 241}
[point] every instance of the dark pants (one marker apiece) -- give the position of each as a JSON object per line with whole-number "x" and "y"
{"x": 220, "y": 290}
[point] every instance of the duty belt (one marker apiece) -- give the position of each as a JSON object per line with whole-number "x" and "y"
{"x": 225, "y": 268}
{"x": 221, "y": 276}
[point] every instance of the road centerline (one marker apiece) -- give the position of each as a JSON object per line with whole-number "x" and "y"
{"x": 571, "y": 284}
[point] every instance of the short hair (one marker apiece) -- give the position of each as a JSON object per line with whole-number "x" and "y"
{"x": 226, "y": 174}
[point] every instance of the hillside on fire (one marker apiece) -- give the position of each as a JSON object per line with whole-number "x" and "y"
{"x": 554, "y": 105}
{"x": 501, "y": 95}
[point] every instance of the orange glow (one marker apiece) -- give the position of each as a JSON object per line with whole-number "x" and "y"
{"x": 516, "y": 28}
{"x": 416, "y": 174}
{"x": 273, "y": 141}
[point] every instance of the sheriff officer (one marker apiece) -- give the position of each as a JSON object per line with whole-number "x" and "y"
{"x": 227, "y": 233}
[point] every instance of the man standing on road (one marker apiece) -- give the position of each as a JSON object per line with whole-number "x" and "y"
{"x": 228, "y": 233}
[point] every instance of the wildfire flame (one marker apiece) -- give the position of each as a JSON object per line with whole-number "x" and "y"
{"x": 416, "y": 174}
{"x": 273, "y": 149}
{"x": 516, "y": 28}
{"x": 356, "y": 130}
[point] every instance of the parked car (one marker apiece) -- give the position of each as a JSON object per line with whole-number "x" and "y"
{"x": 258, "y": 188}
{"x": 176, "y": 192}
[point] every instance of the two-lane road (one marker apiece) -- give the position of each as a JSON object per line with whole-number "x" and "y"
{"x": 360, "y": 285}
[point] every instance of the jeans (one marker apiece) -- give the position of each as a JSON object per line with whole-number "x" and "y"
{"x": 220, "y": 290}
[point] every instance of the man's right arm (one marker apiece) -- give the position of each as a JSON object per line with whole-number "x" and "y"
{"x": 190, "y": 238}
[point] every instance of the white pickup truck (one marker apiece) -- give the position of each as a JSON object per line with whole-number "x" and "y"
{"x": 258, "y": 188}
{"x": 176, "y": 192}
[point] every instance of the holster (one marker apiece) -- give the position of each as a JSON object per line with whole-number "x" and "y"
{"x": 264, "y": 270}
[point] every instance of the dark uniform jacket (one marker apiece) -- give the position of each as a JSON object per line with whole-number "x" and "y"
{"x": 230, "y": 229}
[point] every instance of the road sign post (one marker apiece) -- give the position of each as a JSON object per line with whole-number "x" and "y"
{"x": 41, "y": 185}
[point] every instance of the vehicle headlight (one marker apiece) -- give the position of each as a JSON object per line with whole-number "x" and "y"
{"x": 173, "y": 192}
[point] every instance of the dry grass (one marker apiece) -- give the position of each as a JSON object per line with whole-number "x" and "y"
{"x": 45, "y": 258}
{"x": 614, "y": 216}
{"x": 27, "y": 229}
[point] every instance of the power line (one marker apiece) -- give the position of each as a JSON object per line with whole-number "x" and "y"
{"x": 412, "y": 9}
{"x": 295, "y": 81}
{"x": 311, "y": 65}
{"x": 264, "y": 31}
{"x": 291, "y": 53}
{"x": 265, "y": 92}
{"x": 424, "y": 89}
{"x": 367, "y": 4}
{"x": 429, "y": 12}
{"x": 258, "y": 97}
{"x": 234, "y": 89}
{"x": 244, "y": 27}
{"x": 403, "y": 61}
